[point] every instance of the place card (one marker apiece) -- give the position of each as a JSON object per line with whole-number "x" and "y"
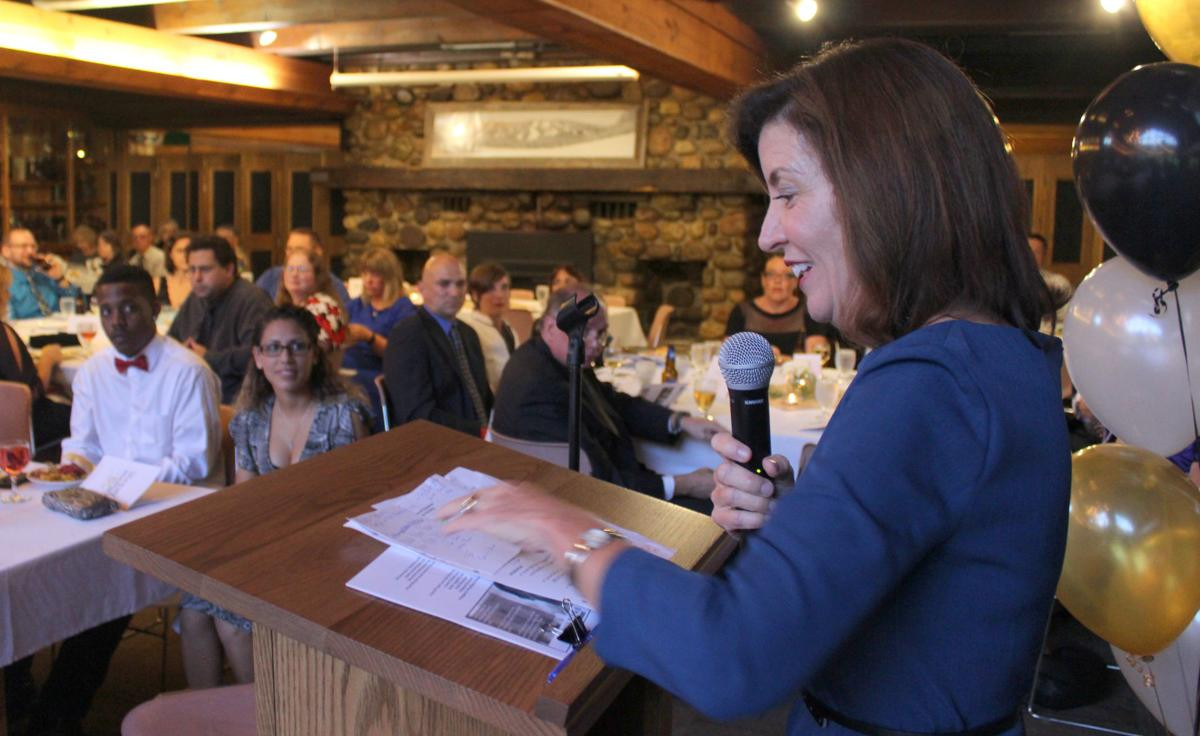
{"x": 124, "y": 481}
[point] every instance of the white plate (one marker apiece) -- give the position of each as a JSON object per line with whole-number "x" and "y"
{"x": 52, "y": 485}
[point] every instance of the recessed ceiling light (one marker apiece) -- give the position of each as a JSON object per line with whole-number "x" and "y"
{"x": 266, "y": 38}
{"x": 805, "y": 10}
{"x": 1113, "y": 6}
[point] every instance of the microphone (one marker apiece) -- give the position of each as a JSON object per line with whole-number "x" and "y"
{"x": 747, "y": 362}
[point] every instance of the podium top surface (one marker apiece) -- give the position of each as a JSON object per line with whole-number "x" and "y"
{"x": 274, "y": 549}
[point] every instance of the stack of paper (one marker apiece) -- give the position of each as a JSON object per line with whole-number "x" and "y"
{"x": 471, "y": 578}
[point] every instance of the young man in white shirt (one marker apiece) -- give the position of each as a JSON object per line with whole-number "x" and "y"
{"x": 146, "y": 398}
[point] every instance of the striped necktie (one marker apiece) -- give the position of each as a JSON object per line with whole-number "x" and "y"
{"x": 464, "y": 372}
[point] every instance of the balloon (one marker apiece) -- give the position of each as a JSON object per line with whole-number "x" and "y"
{"x": 1137, "y": 167}
{"x": 1175, "y": 27}
{"x": 1127, "y": 362}
{"x": 1132, "y": 568}
{"x": 1166, "y": 682}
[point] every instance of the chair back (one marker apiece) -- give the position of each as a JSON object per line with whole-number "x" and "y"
{"x": 552, "y": 452}
{"x": 16, "y": 421}
{"x": 658, "y": 328}
{"x": 384, "y": 401}
{"x": 521, "y": 321}
{"x": 226, "y": 412}
{"x": 521, "y": 294}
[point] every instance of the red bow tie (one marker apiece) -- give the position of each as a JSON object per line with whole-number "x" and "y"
{"x": 138, "y": 362}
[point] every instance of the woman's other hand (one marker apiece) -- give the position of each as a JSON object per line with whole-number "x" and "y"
{"x": 742, "y": 499}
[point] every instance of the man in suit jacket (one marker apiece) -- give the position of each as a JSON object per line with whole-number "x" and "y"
{"x": 531, "y": 404}
{"x": 434, "y": 365}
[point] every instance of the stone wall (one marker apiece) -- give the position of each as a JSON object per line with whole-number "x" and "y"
{"x": 633, "y": 232}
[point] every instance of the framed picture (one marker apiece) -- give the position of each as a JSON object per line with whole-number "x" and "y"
{"x": 534, "y": 134}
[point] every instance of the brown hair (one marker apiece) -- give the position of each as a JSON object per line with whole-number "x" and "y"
{"x": 930, "y": 201}
{"x": 324, "y": 282}
{"x": 383, "y": 262}
{"x": 483, "y": 277}
{"x": 324, "y": 382}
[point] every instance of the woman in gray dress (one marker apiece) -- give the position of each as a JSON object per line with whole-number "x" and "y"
{"x": 293, "y": 405}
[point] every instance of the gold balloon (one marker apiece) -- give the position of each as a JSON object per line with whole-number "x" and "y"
{"x": 1132, "y": 567}
{"x": 1175, "y": 27}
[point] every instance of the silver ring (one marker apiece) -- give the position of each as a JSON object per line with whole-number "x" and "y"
{"x": 466, "y": 505}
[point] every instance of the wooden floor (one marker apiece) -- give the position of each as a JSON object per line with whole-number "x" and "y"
{"x": 134, "y": 677}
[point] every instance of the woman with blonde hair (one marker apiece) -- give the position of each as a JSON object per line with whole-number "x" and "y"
{"x": 372, "y": 316}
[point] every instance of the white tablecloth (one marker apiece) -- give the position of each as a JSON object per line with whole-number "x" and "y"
{"x": 55, "y": 581}
{"x": 74, "y": 357}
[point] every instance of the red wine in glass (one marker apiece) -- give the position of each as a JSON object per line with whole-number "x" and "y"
{"x": 14, "y": 456}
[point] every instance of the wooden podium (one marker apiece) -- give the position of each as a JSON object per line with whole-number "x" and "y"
{"x": 331, "y": 661}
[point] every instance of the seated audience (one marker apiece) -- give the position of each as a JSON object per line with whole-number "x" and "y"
{"x": 167, "y": 232}
{"x": 372, "y": 317}
{"x": 148, "y": 399}
{"x": 489, "y": 286}
{"x": 306, "y": 284}
{"x": 37, "y": 281}
{"x": 531, "y": 404}
{"x": 292, "y": 406}
{"x": 218, "y": 318}
{"x": 1060, "y": 287}
{"x": 564, "y": 276}
{"x": 174, "y": 288}
{"x": 51, "y": 420}
{"x": 300, "y": 238}
{"x": 433, "y": 363}
{"x": 145, "y": 254}
{"x": 230, "y": 233}
{"x": 108, "y": 249}
{"x": 778, "y": 314}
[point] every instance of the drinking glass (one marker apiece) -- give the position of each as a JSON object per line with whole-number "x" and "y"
{"x": 700, "y": 358}
{"x": 844, "y": 359}
{"x": 704, "y": 392}
{"x": 14, "y": 456}
{"x": 87, "y": 332}
{"x": 66, "y": 304}
{"x": 827, "y": 393}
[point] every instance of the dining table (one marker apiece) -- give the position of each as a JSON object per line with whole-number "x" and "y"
{"x": 63, "y": 329}
{"x": 56, "y": 581}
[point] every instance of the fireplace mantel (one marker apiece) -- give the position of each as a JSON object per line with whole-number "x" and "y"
{"x": 652, "y": 181}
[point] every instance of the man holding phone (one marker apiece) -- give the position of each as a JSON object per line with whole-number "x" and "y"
{"x": 38, "y": 281}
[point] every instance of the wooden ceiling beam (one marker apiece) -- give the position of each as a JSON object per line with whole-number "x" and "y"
{"x": 209, "y": 17}
{"x": 1023, "y": 15}
{"x": 311, "y": 39}
{"x": 695, "y": 44}
{"x": 69, "y": 49}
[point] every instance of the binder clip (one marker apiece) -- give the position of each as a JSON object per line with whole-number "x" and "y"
{"x": 575, "y": 632}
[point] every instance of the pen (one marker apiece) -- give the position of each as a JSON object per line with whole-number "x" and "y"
{"x": 566, "y": 660}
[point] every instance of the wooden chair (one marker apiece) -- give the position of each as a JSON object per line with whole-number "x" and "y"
{"x": 521, "y": 294}
{"x": 552, "y": 452}
{"x": 384, "y": 401}
{"x": 521, "y": 321}
{"x": 658, "y": 328}
{"x": 16, "y": 421}
{"x": 226, "y": 412}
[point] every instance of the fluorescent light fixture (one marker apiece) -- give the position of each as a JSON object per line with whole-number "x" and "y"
{"x": 97, "y": 4}
{"x": 456, "y": 76}
{"x": 266, "y": 38}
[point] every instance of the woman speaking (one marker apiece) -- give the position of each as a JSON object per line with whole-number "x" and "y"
{"x": 903, "y": 585}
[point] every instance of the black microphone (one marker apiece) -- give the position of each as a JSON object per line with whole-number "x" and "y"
{"x": 746, "y": 362}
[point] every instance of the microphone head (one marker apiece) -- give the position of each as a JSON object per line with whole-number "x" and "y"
{"x": 746, "y": 361}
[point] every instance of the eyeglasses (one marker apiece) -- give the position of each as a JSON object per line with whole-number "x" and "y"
{"x": 778, "y": 275}
{"x": 295, "y": 347}
{"x": 299, "y": 269}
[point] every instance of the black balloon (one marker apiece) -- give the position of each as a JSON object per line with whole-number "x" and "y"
{"x": 1137, "y": 167}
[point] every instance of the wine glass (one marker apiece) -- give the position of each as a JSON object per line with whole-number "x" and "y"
{"x": 827, "y": 393}
{"x": 844, "y": 359}
{"x": 705, "y": 393}
{"x": 14, "y": 456}
{"x": 87, "y": 332}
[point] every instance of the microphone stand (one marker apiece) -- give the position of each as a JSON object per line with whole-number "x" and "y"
{"x": 574, "y": 393}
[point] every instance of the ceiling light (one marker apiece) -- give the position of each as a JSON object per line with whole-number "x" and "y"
{"x": 80, "y": 153}
{"x": 266, "y": 38}
{"x": 96, "y": 4}
{"x": 456, "y": 76}
{"x": 805, "y": 10}
{"x": 1113, "y": 6}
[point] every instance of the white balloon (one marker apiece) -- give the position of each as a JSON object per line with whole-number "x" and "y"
{"x": 1127, "y": 362}
{"x": 1166, "y": 682}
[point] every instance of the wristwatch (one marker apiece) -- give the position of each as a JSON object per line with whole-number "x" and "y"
{"x": 588, "y": 542}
